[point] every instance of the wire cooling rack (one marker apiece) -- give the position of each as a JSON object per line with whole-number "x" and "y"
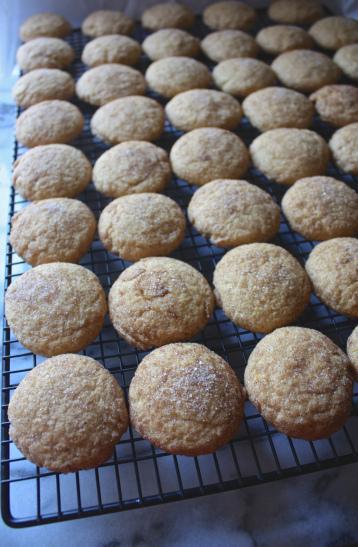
{"x": 138, "y": 474}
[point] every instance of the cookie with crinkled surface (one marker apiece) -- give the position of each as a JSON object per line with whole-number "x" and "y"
{"x": 242, "y": 76}
{"x": 229, "y": 14}
{"x": 168, "y": 15}
{"x": 280, "y": 38}
{"x": 337, "y": 104}
{"x": 352, "y": 350}
{"x": 299, "y": 12}
{"x": 347, "y": 60}
{"x": 170, "y": 43}
{"x": 113, "y": 48}
{"x": 44, "y": 52}
{"x": 228, "y": 44}
{"x": 43, "y": 84}
{"x": 335, "y": 32}
{"x": 344, "y": 148}
{"x": 44, "y": 24}
{"x": 103, "y": 22}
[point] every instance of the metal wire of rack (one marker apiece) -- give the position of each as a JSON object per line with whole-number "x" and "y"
{"x": 138, "y": 474}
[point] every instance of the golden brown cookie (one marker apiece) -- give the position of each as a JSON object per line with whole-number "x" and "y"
{"x": 344, "y": 148}
{"x": 103, "y": 22}
{"x": 168, "y": 15}
{"x": 337, "y": 104}
{"x": 44, "y": 53}
{"x": 299, "y": 12}
{"x": 335, "y": 32}
{"x": 113, "y": 48}
{"x": 280, "y": 38}
{"x": 352, "y": 351}
{"x": 229, "y": 14}
{"x": 170, "y": 43}
{"x": 44, "y": 24}
{"x": 228, "y": 44}
{"x": 43, "y": 84}
{"x": 240, "y": 77}
{"x": 347, "y": 60}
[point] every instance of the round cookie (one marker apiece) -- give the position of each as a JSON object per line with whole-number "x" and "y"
{"x": 132, "y": 167}
{"x": 168, "y": 15}
{"x": 232, "y": 212}
{"x": 286, "y": 155}
{"x": 261, "y": 287}
{"x": 44, "y": 24}
{"x": 141, "y": 225}
{"x": 49, "y": 122}
{"x": 280, "y": 38}
{"x": 240, "y": 77}
{"x": 108, "y": 82}
{"x": 347, "y": 60}
{"x": 43, "y": 84}
{"x": 305, "y": 70}
{"x": 299, "y": 12}
{"x": 352, "y": 350}
{"x": 173, "y": 75}
{"x": 51, "y": 171}
{"x": 52, "y": 230}
{"x": 127, "y": 119}
{"x": 67, "y": 414}
{"x": 44, "y": 53}
{"x": 333, "y": 270}
{"x": 228, "y": 44}
{"x": 321, "y": 208}
{"x": 55, "y": 308}
{"x": 337, "y": 104}
{"x": 344, "y": 148}
{"x": 203, "y": 108}
{"x": 170, "y": 43}
{"x": 229, "y": 14}
{"x": 335, "y": 32}
{"x": 103, "y": 22}
{"x": 275, "y": 107}
{"x": 209, "y": 153}
{"x": 111, "y": 49}
{"x": 196, "y": 409}
{"x": 158, "y": 301}
{"x": 300, "y": 382}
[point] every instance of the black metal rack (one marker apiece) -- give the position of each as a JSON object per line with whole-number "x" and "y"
{"x": 138, "y": 474}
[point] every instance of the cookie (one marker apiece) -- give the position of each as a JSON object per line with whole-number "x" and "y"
{"x": 158, "y": 301}
{"x": 305, "y": 70}
{"x": 228, "y": 44}
{"x": 286, "y": 155}
{"x": 352, "y": 351}
{"x": 240, "y": 77}
{"x": 170, "y": 43}
{"x": 321, "y": 208}
{"x": 103, "y": 22}
{"x": 280, "y": 38}
{"x": 67, "y": 414}
{"x": 168, "y": 15}
{"x": 53, "y": 230}
{"x": 44, "y": 24}
{"x": 128, "y": 119}
{"x": 49, "y": 122}
{"x": 297, "y": 12}
{"x": 51, "y": 171}
{"x": 209, "y": 153}
{"x": 344, "y": 148}
{"x": 347, "y": 60}
{"x": 44, "y": 53}
{"x": 232, "y": 212}
{"x": 132, "y": 167}
{"x": 261, "y": 287}
{"x": 108, "y": 82}
{"x": 111, "y": 49}
{"x": 337, "y": 104}
{"x": 229, "y": 14}
{"x": 333, "y": 270}
{"x": 55, "y": 308}
{"x": 173, "y": 75}
{"x": 335, "y": 32}
{"x": 43, "y": 84}
{"x": 300, "y": 382}
{"x": 203, "y": 108}
{"x": 141, "y": 225}
{"x": 185, "y": 399}
{"x": 275, "y": 107}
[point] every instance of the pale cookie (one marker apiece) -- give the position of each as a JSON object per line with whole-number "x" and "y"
{"x": 185, "y": 399}
{"x": 299, "y": 12}
{"x": 300, "y": 382}
{"x": 67, "y": 414}
{"x": 335, "y": 32}
{"x": 232, "y": 212}
{"x": 209, "y": 153}
{"x": 261, "y": 287}
{"x": 173, "y": 75}
{"x": 53, "y": 230}
{"x": 227, "y": 44}
{"x": 44, "y": 24}
{"x": 352, "y": 351}
{"x": 286, "y": 155}
{"x": 275, "y": 107}
{"x": 344, "y": 148}
{"x": 51, "y": 171}
{"x": 132, "y": 167}
{"x": 108, "y": 82}
{"x": 111, "y": 49}
{"x": 229, "y": 14}
{"x": 240, "y": 77}
{"x": 347, "y": 59}
{"x": 305, "y": 70}
{"x": 170, "y": 43}
{"x": 49, "y": 122}
{"x": 321, "y": 208}
{"x": 280, "y": 38}
{"x": 128, "y": 119}
{"x": 55, "y": 308}
{"x": 203, "y": 108}
{"x": 44, "y": 53}
{"x": 160, "y": 300}
{"x": 141, "y": 225}
{"x": 103, "y": 22}
{"x": 168, "y": 15}
{"x": 333, "y": 270}
{"x": 337, "y": 104}
{"x": 43, "y": 84}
